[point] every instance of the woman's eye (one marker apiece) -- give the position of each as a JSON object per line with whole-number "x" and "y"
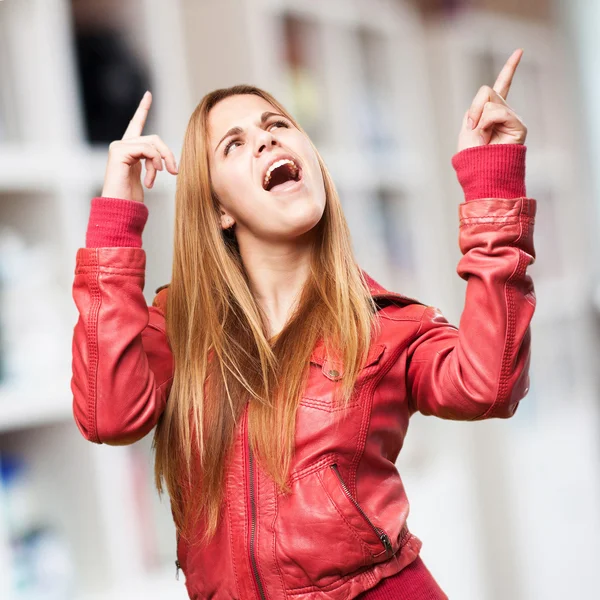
{"x": 230, "y": 145}
{"x": 279, "y": 124}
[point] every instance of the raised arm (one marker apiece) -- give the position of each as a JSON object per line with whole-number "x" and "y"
{"x": 481, "y": 369}
{"x": 122, "y": 366}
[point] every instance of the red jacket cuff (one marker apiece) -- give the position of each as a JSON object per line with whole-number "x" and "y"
{"x": 116, "y": 222}
{"x": 491, "y": 171}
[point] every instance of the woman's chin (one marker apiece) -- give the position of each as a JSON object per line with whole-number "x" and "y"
{"x": 304, "y": 222}
{"x": 289, "y": 222}
{"x": 292, "y": 231}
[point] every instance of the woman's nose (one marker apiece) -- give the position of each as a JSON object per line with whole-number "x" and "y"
{"x": 264, "y": 139}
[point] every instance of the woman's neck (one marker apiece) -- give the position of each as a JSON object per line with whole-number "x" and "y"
{"x": 277, "y": 274}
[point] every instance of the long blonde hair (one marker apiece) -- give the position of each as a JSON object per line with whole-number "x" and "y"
{"x": 222, "y": 355}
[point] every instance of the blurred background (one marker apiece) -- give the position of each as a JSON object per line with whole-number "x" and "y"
{"x": 507, "y": 509}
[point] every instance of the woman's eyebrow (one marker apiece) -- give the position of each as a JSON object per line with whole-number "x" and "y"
{"x": 238, "y": 130}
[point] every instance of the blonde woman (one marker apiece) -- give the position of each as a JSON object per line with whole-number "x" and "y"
{"x": 279, "y": 376}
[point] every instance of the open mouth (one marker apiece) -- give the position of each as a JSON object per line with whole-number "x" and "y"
{"x": 281, "y": 175}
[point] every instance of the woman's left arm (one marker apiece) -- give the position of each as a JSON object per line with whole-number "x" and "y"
{"x": 481, "y": 369}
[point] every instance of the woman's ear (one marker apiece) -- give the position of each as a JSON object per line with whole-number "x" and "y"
{"x": 226, "y": 221}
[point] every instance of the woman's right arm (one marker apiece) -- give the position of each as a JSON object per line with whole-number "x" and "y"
{"x": 122, "y": 366}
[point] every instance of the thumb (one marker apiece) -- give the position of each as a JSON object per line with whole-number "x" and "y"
{"x": 485, "y": 135}
{"x": 469, "y": 138}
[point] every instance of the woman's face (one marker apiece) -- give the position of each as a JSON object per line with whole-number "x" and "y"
{"x": 264, "y": 171}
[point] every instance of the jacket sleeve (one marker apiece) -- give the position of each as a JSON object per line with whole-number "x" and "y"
{"x": 481, "y": 369}
{"x": 122, "y": 366}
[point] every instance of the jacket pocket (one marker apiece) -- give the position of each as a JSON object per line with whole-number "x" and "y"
{"x": 320, "y": 534}
{"x": 325, "y": 375}
{"x": 374, "y": 537}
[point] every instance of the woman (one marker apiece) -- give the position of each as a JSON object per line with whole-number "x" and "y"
{"x": 279, "y": 376}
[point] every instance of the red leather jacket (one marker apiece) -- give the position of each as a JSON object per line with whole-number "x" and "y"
{"x": 344, "y": 527}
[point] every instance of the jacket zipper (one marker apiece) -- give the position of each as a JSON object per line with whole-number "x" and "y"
{"x": 381, "y": 534}
{"x": 253, "y": 527}
{"x": 177, "y": 563}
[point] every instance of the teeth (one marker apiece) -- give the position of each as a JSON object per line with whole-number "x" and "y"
{"x": 275, "y": 165}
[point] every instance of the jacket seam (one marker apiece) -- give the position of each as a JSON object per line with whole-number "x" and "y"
{"x": 160, "y": 330}
{"x": 127, "y": 271}
{"x": 461, "y": 398}
{"x": 274, "y": 545}
{"x": 459, "y": 394}
{"x": 343, "y": 517}
{"x": 364, "y": 429}
{"x": 334, "y": 585}
{"x": 495, "y": 220}
{"x": 235, "y": 572}
{"x": 258, "y": 530}
{"x": 390, "y": 318}
{"x": 164, "y": 383}
{"x": 157, "y": 328}
{"x": 321, "y": 405}
{"x": 511, "y": 322}
{"x": 370, "y": 391}
{"x": 246, "y": 483}
{"x": 411, "y": 401}
{"x": 384, "y": 315}
{"x": 92, "y": 341}
{"x": 316, "y": 466}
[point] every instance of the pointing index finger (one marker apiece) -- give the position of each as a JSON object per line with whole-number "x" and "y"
{"x": 502, "y": 85}
{"x": 136, "y": 125}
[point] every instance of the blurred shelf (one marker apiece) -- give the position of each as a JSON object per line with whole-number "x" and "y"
{"x": 48, "y": 175}
{"x": 373, "y": 168}
{"x": 376, "y": 14}
{"x": 29, "y": 405}
{"x": 27, "y": 167}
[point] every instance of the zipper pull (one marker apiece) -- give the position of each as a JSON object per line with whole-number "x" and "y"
{"x": 177, "y": 567}
{"x": 385, "y": 540}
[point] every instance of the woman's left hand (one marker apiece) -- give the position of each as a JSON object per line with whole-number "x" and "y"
{"x": 490, "y": 120}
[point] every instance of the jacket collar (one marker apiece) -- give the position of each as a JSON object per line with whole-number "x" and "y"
{"x": 378, "y": 293}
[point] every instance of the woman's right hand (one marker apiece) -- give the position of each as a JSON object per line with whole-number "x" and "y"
{"x": 124, "y": 166}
